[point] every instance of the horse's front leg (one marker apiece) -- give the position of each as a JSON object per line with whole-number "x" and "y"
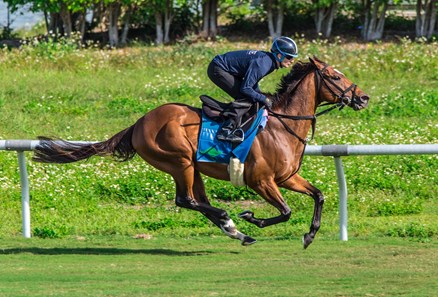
{"x": 192, "y": 196}
{"x": 269, "y": 191}
{"x": 298, "y": 184}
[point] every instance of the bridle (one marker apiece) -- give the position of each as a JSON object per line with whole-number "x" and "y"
{"x": 328, "y": 81}
{"x": 320, "y": 80}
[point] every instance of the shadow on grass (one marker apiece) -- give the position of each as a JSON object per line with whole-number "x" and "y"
{"x": 103, "y": 251}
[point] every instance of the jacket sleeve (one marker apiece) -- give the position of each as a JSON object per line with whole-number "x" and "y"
{"x": 250, "y": 87}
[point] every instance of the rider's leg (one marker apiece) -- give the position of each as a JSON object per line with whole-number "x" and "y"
{"x": 231, "y": 85}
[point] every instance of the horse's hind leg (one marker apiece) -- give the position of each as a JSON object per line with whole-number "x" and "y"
{"x": 190, "y": 193}
{"x": 298, "y": 184}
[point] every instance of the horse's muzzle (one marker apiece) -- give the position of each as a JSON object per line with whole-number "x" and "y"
{"x": 360, "y": 102}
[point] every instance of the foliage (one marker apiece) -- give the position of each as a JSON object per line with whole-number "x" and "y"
{"x": 242, "y": 12}
{"x": 235, "y": 16}
{"x": 8, "y": 33}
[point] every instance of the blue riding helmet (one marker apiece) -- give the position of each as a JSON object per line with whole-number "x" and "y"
{"x": 286, "y": 47}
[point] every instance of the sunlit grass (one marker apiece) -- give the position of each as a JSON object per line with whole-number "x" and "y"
{"x": 212, "y": 266}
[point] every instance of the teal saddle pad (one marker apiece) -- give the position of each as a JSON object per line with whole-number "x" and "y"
{"x": 210, "y": 149}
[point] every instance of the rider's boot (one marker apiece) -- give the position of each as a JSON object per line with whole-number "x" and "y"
{"x": 236, "y": 136}
{"x": 225, "y": 130}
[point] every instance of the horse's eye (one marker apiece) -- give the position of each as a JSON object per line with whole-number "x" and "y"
{"x": 335, "y": 77}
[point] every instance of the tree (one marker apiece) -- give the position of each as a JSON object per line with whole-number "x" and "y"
{"x": 209, "y": 19}
{"x": 114, "y": 9}
{"x": 373, "y": 18}
{"x": 119, "y": 12}
{"x": 163, "y": 12}
{"x": 62, "y": 17}
{"x": 275, "y": 16}
{"x": 426, "y": 18}
{"x": 325, "y": 11}
{"x": 126, "y": 22}
{"x": 65, "y": 15}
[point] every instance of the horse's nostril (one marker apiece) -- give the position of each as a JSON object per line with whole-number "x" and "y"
{"x": 365, "y": 97}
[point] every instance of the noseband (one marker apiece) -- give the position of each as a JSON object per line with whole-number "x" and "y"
{"x": 327, "y": 81}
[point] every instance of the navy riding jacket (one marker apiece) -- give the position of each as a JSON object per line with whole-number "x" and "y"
{"x": 250, "y": 66}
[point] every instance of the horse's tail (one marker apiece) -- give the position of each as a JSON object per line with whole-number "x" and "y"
{"x": 60, "y": 151}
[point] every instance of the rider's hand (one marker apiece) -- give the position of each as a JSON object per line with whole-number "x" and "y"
{"x": 268, "y": 103}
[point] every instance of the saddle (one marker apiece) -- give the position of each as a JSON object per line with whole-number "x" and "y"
{"x": 210, "y": 149}
{"x": 216, "y": 110}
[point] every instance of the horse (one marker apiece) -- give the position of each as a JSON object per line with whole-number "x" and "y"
{"x": 167, "y": 138}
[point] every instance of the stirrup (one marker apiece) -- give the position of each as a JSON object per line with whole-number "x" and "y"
{"x": 223, "y": 133}
{"x": 236, "y": 136}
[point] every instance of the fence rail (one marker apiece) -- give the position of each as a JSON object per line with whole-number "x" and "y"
{"x": 335, "y": 151}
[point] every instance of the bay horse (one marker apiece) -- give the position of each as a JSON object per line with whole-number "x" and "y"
{"x": 167, "y": 138}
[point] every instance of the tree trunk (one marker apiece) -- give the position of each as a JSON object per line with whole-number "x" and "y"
{"x": 46, "y": 21}
{"x": 54, "y": 24}
{"x": 432, "y": 19}
{"x": 324, "y": 15}
{"x": 275, "y": 15}
{"x": 159, "y": 28}
{"x": 205, "y": 18}
{"x": 213, "y": 19}
{"x": 66, "y": 19}
{"x": 168, "y": 16}
{"x": 280, "y": 19}
{"x": 374, "y": 19}
{"x": 126, "y": 23}
{"x": 80, "y": 24}
{"x": 209, "y": 24}
{"x": 426, "y": 18}
{"x": 327, "y": 32}
{"x": 270, "y": 17}
{"x": 319, "y": 17}
{"x": 113, "y": 18}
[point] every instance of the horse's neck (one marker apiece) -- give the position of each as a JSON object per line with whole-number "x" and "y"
{"x": 303, "y": 101}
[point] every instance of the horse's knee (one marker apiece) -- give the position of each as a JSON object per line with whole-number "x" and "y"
{"x": 319, "y": 198}
{"x": 185, "y": 202}
{"x": 287, "y": 215}
{"x": 223, "y": 215}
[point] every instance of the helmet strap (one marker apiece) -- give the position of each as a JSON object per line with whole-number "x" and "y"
{"x": 281, "y": 59}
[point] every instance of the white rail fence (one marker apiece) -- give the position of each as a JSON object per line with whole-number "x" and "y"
{"x": 335, "y": 151}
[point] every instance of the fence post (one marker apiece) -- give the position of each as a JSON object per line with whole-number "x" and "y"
{"x": 343, "y": 212}
{"x": 24, "y": 181}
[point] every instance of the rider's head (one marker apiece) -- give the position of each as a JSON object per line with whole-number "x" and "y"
{"x": 284, "y": 48}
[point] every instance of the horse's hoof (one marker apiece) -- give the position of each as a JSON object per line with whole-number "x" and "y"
{"x": 246, "y": 215}
{"x": 248, "y": 240}
{"x": 307, "y": 240}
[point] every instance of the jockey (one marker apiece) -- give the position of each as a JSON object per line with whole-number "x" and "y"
{"x": 238, "y": 74}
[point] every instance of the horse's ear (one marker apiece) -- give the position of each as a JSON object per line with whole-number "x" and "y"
{"x": 316, "y": 62}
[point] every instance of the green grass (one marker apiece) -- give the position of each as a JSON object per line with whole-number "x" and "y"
{"x": 212, "y": 266}
{"x": 59, "y": 90}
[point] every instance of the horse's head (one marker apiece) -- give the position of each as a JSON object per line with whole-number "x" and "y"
{"x": 334, "y": 87}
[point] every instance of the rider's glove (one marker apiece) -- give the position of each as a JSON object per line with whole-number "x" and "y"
{"x": 268, "y": 103}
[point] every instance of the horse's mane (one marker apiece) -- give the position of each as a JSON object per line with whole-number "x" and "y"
{"x": 289, "y": 81}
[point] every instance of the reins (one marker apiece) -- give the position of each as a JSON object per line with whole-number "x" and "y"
{"x": 341, "y": 104}
{"x": 344, "y": 100}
